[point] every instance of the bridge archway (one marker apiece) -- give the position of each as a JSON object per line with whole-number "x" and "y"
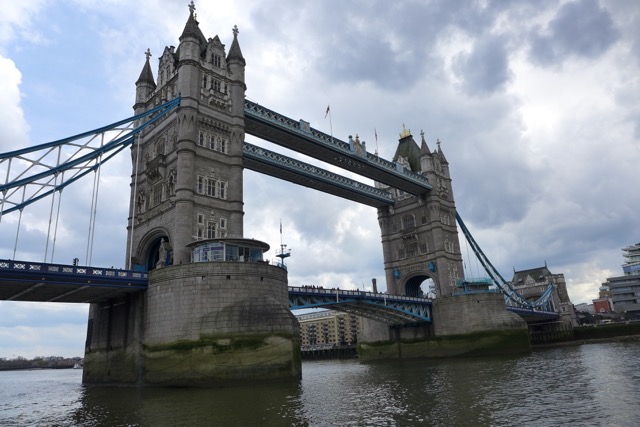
{"x": 148, "y": 252}
{"x": 420, "y": 285}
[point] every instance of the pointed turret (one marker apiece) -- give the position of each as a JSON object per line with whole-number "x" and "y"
{"x": 192, "y": 27}
{"x": 235, "y": 54}
{"x": 145, "y": 85}
{"x": 408, "y": 149}
{"x": 424, "y": 149}
{"x": 443, "y": 159}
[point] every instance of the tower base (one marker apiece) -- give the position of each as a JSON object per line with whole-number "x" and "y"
{"x": 203, "y": 324}
{"x": 464, "y": 325}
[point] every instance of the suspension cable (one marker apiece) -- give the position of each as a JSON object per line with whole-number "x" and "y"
{"x": 15, "y": 245}
{"x": 55, "y": 230}
{"x": 133, "y": 203}
{"x": 53, "y": 200}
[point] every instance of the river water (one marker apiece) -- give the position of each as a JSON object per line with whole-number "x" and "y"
{"x": 586, "y": 385}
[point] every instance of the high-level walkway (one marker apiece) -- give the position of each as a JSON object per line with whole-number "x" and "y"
{"x": 298, "y": 136}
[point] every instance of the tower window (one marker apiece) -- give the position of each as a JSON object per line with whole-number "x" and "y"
{"x": 211, "y": 230}
{"x": 222, "y": 189}
{"x": 222, "y": 145}
{"x": 216, "y": 60}
{"x": 211, "y": 187}
{"x": 201, "y": 138}
{"x": 201, "y": 219}
{"x": 408, "y": 222}
{"x": 215, "y": 85}
{"x": 157, "y": 194}
{"x": 200, "y": 186}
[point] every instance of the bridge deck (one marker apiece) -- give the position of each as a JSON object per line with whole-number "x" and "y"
{"x": 42, "y": 282}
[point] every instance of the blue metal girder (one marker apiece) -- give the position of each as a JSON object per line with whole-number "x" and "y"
{"x": 391, "y": 309}
{"x": 298, "y": 136}
{"x": 513, "y": 298}
{"x": 41, "y": 169}
{"x": 532, "y": 315}
{"x": 37, "y": 281}
{"x": 280, "y": 166}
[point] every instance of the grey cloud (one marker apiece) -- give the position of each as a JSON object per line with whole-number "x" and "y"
{"x": 486, "y": 68}
{"x": 580, "y": 28}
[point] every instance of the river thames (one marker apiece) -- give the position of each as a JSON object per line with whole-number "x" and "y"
{"x": 585, "y": 385}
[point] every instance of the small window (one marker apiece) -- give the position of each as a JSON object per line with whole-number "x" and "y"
{"x": 222, "y": 145}
{"x": 215, "y": 85}
{"x": 201, "y": 219}
{"x": 201, "y": 138}
{"x": 157, "y": 194}
{"x": 200, "y": 185}
{"x": 211, "y": 188}
{"x": 216, "y": 60}
{"x": 222, "y": 189}
{"x": 211, "y": 230}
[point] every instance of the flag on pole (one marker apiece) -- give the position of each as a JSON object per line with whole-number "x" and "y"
{"x": 375, "y": 132}
{"x": 280, "y": 226}
{"x": 328, "y": 111}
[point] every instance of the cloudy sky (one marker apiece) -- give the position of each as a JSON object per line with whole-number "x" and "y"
{"x": 535, "y": 102}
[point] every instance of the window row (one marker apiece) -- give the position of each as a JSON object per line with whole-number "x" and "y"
{"x": 210, "y": 82}
{"x": 211, "y": 187}
{"x": 409, "y": 221}
{"x": 210, "y": 229}
{"x": 213, "y": 141}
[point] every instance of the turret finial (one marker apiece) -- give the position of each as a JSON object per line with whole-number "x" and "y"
{"x": 235, "y": 31}
{"x": 192, "y": 7}
{"x": 148, "y": 53}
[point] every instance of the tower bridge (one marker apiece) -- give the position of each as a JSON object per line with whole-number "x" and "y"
{"x": 198, "y": 304}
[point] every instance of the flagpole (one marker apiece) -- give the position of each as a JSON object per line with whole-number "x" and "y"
{"x": 328, "y": 113}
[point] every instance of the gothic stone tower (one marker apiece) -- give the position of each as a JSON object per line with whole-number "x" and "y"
{"x": 187, "y": 181}
{"x": 214, "y": 312}
{"x": 419, "y": 234}
{"x": 420, "y": 242}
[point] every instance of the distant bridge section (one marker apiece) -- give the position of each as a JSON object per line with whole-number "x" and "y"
{"x": 391, "y": 309}
{"x": 298, "y": 136}
{"x": 41, "y": 282}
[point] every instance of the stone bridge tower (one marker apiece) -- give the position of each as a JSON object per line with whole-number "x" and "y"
{"x": 214, "y": 311}
{"x": 419, "y": 234}
{"x": 187, "y": 180}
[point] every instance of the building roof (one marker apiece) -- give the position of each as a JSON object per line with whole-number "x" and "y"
{"x": 538, "y": 274}
{"x": 408, "y": 148}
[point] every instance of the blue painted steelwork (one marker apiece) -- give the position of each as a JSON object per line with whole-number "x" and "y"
{"x": 347, "y": 152}
{"x": 43, "y": 162}
{"x": 37, "y": 281}
{"x": 512, "y": 297}
{"x": 392, "y": 309}
{"x": 370, "y": 195}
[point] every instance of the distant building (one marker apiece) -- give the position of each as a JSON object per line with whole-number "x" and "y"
{"x": 624, "y": 291}
{"x": 632, "y": 254}
{"x": 329, "y": 329}
{"x": 534, "y": 282}
{"x": 604, "y": 303}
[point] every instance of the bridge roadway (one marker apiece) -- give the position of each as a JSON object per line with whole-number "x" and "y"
{"x": 298, "y": 136}
{"x": 42, "y": 282}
